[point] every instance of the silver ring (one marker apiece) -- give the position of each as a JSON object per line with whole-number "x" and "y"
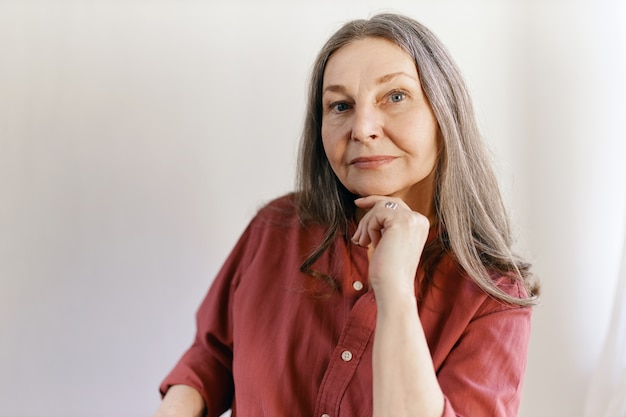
{"x": 391, "y": 205}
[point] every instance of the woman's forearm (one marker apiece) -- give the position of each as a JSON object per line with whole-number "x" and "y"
{"x": 181, "y": 401}
{"x": 405, "y": 383}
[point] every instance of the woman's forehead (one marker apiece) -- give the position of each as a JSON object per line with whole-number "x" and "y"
{"x": 375, "y": 58}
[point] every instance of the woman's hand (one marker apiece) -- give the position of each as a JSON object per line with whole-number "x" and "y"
{"x": 396, "y": 236}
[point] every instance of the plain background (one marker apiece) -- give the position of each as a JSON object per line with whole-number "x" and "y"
{"x": 137, "y": 139}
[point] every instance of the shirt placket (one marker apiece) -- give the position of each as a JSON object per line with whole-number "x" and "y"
{"x": 346, "y": 356}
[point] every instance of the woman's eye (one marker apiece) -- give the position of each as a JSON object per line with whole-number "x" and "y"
{"x": 396, "y": 97}
{"x": 340, "y": 107}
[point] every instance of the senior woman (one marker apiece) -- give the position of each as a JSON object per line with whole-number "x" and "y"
{"x": 385, "y": 285}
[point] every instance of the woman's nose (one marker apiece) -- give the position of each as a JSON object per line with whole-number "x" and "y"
{"x": 367, "y": 124}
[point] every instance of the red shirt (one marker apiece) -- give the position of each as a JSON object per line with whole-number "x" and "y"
{"x": 272, "y": 341}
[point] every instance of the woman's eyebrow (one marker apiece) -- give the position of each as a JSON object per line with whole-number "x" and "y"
{"x": 389, "y": 77}
{"x": 335, "y": 88}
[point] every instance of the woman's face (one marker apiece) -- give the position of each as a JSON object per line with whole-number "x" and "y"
{"x": 378, "y": 129}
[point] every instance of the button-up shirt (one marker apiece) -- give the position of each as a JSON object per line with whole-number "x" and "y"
{"x": 273, "y": 341}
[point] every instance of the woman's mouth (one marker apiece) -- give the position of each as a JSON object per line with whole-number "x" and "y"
{"x": 371, "y": 162}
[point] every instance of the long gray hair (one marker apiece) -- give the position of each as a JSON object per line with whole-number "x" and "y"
{"x": 473, "y": 223}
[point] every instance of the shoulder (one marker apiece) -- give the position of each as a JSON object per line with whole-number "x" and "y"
{"x": 276, "y": 215}
{"x": 510, "y": 285}
{"x": 454, "y": 285}
{"x": 279, "y": 220}
{"x": 279, "y": 210}
{"x": 274, "y": 226}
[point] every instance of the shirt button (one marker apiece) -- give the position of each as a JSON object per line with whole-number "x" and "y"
{"x": 325, "y": 415}
{"x": 357, "y": 285}
{"x": 346, "y": 355}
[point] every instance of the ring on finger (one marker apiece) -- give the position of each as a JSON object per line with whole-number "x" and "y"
{"x": 391, "y": 205}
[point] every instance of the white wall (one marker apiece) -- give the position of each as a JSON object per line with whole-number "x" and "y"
{"x": 137, "y": 138}
{"x": 577, "y": 186}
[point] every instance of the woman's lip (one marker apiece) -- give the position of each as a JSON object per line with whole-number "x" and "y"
{"x": 371, "y": 161}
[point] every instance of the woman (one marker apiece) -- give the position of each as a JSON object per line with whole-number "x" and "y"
{"x": 385, "y": 285}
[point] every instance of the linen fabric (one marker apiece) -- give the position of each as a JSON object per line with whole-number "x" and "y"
{"x": 273, "y": 341}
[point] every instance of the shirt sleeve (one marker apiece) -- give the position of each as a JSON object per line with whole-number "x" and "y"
{"x": 207, "y": 364}
{"x": 483, "y": 374}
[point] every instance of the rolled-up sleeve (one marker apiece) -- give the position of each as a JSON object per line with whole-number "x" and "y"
{"x": 483, "y": 374}
{"x": 207, "y": 364}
